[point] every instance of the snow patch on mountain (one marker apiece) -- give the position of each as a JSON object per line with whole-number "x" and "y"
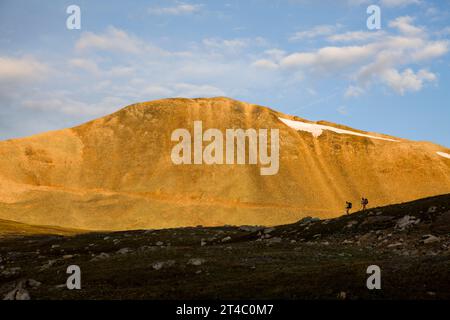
{"x": 443, "y": 154}
{"x": 317, "y": 129}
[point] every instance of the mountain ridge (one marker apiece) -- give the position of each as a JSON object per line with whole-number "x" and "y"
{"x": 115, "y": 172}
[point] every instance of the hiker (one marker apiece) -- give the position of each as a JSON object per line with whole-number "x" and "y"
{"x": 364, "y": 203}
{"x": 348, "y": 206}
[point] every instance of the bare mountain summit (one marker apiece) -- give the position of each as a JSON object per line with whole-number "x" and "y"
{"x": 116, "y": 172}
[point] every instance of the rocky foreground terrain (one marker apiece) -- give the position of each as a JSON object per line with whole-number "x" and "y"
{"x": 311, "y": 259}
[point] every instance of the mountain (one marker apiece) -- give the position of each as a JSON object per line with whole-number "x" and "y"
{"x": 11, "y": 230}
{"x": 116, "y": 172}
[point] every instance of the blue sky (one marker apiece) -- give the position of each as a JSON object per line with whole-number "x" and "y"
{"x": 315, "y": 60}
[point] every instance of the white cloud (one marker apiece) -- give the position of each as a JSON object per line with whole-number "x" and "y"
{"x": 275, "y": 53}
{"x": 21, "y": 69}
{"x": 311, "y": 91}
{"x": 356, "y": 36}
{"x": 358, "y": 2}
{"x": 121, "y": 71}
{"x": 157, "y": 91}
{"x": 62, "y": 102}
{"x": 396, "y": 53}
{"x": 212, "y": 68}
{"x": 92, "y": 67}
{"x": 17, "y": 75}
{"x": 353, "y": 91}
{"x": 407, "y": 80}
{"x": 85, "y": 64}
{"x": 192, "y": 91}
{"x": 232, "y": 46}
{"x": 398, "y": 3}
{"x": 328, "y": 58}
{"x": 431, "y": 50}
{"x": 180, "y": 8}
{"x": 317, "y": 31}
{"x": 113, "y": 39}
{"x": 265, "y": 64}
{"x": 405, "y": 26}
{"x": 378, "y": 59}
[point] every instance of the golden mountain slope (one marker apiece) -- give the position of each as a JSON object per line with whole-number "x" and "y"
{"x": 14, "y": 229}
{"x": 115, "y": 173}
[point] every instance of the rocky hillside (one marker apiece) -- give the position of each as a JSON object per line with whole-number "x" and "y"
{"x": 310, "y": 259}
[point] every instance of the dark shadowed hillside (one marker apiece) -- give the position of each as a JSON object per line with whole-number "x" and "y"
{"x": 310, "y": 259}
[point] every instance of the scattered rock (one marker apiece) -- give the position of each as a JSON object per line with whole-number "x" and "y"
{"x": 162, "y": 264}
{"x": 351, "y": 224}
{"x": 101, "y": 256}
{"x": 226, "y": 239}
{"x": 275, "y": 240}
{"x": 145, "y": 248}
{"x": 124, "y": 251}
{"x": 61, "y": 286}
{"x": 250, "y": 228}
{"x": 429, "y": 238}
{"x": 33, "y": 283}
{"x": 432, "y": 209}
{"x": 342, "y": 295}
{"x": 196, "y": 261}
{"x": 48, "y": 264}
{"x": 377, "y": 219}
{"x": 18, "y": 293}
{"x": 307, "y": 220}
{"x": 394, "y": 245}
{"x": 10, "y": 271}
{"x": 365, "y": 237}
{"x": 406, "y": 222}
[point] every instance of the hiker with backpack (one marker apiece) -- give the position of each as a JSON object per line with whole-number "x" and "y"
{"x": 348, "y": 206}
{"x": 364, "y": 203}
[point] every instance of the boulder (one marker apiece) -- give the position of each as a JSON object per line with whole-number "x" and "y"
{"x": 196, "y": 261}
{"x": 406, "y": 222}
{"x": 429, "y": 238}
{"x": 162, "y": 264}
{"x": 124, "y": 251}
